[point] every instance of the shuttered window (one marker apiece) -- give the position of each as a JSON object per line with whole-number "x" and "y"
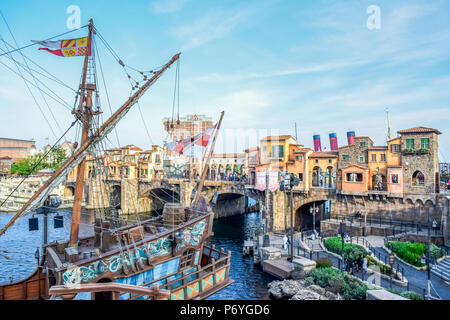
{"x": 425, "y": 143}
{"x": 409, "y": 143}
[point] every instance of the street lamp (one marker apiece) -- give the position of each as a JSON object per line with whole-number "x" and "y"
{"x": 37, "y": 256}
{"x": 342, "y": 231}
{"x": 351, "y": 229}
{"x": 314, "y": 210}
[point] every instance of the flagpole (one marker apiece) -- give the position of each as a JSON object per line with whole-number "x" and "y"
{"x": 202, "y": 180}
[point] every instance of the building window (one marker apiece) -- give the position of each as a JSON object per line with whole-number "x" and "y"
{"x": 345, "y": 157}
{"x": 300, "y": 177}
{"x": 317, "y": 160}
{"x": 425, "y": 143}
{"x": 277, "y": 151}
{"x": 383, "y": 157}
{"x": 361, "y": 159}
{"x": 363, "y": 143}
{"x": 395, "y": 148}
{"x": 330, "y": 161}
{"x": 394, "y": 179}
{"x": 410, "y": 144}
{"x": 418, "y": 179}
{"x": 374, "y": 158}
{"x": 299, "y": 158}
{"x": 354, "y": 177}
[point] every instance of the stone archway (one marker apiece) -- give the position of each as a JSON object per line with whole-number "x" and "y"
{"x": 330, "y": 179}
{"x": 229, "y": 204}
{"x": 304, "y": 217}
{"x": 69, "y": 191}
{"x": 220, "y": 172}
{"x": 379, "y": 182}
{"x": 115, "y": 197}
{"x": 316, "y": 177}
{"x": 158, "y": 197}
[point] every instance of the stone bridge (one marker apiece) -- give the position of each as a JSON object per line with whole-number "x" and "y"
{"x": 414, "y": 208}
{"x": 133, "y": 195}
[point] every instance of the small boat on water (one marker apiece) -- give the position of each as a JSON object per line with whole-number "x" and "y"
{"x": 162, "y": 258}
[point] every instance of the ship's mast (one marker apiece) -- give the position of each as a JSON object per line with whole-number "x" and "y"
{"x": 84, "y": 113}
{"x": 206, "y": 166}
{"x": 80, "y": 153}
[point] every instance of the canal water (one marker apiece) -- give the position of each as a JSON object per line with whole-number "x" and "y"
{"x": 250, "y": 283}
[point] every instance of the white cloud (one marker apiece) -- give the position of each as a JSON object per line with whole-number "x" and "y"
{"x": 212, "y": 25}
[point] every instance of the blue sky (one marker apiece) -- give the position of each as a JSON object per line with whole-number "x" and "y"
{"x": 268, "y": 64}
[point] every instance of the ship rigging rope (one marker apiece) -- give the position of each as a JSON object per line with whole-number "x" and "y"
{"x": 38, "y": 163}
{"x": 29, "y": 70}
{"x": 145, "y": 124}
{"x": 33, "y": 44}
{"x": 30, "y": 83}
{"x": 49, "y": 76}
{"x": 106, "y": 89}
{"x": 35, "y": 100}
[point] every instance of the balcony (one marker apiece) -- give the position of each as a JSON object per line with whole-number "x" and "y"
{"x": 416, "y": 152}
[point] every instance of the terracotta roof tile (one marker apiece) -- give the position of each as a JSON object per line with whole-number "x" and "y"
{"x": 324, "y": 154}
{"x": 419, "y": 130}
{"x": 278, "y": 138}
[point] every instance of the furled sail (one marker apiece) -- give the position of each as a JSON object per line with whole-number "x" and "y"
{"x": 60, "y": 175}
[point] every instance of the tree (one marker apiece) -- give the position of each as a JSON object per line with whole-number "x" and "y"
{"x": 444, "y": 176}
{"x": 33, "y": 164}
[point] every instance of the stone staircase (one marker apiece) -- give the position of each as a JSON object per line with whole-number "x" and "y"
{"x": 441, "y": 270}
{"x": 314, "y": 245}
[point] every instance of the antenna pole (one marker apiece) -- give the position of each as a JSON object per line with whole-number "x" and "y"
{"x": 389, "y": 136}
{"x": 296, "y": 136}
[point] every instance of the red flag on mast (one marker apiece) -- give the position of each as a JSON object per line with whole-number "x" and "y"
{"x": 66, "y": 48}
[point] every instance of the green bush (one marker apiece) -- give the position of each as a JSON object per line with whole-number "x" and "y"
{"x": 324, "y": 263}
{"x": 353, "y": 251}
{"x": 309, "y": 281}
{"x": 409, "y": 252}
{"x": 339, "y": 282}
{"x": 436, "y": 252}
{"x": 406, "y": 294}
{"x": 323, "y": 276}
{"x": 411, "y": 295}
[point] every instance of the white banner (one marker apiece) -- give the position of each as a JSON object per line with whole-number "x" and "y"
{"x": 261, "y": 180}
{"x": 273, "y": 181}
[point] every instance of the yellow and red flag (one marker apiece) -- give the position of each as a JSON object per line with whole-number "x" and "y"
{"x": 66, "y": 48}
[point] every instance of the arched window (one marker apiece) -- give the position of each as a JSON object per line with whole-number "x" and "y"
{"x": 418, "y": 179}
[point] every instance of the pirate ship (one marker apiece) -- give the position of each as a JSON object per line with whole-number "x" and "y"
{"x": 162, "y": 258}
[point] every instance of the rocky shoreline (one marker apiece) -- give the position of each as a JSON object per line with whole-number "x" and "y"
{"x": 299, "y": 290}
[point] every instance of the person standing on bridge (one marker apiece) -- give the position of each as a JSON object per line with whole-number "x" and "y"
{"x": 285, "y": 242}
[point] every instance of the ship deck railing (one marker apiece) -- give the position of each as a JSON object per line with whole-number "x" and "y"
{"x": 209, "y": 253}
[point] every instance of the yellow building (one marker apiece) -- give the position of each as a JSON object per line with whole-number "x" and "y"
{"x": 394, "y": 155}
{"x": 322, "y": 168}
{"x": 377, "y": 163}
{"x": 274, "y": 153}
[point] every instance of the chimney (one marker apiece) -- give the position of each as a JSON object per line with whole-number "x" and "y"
{"x": 317, "y": 144}
{"x": 333, "y": 142}
{"x": 351, "y": 138}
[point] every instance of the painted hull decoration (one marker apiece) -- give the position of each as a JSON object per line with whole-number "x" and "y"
{"x": 191, "y": 236}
